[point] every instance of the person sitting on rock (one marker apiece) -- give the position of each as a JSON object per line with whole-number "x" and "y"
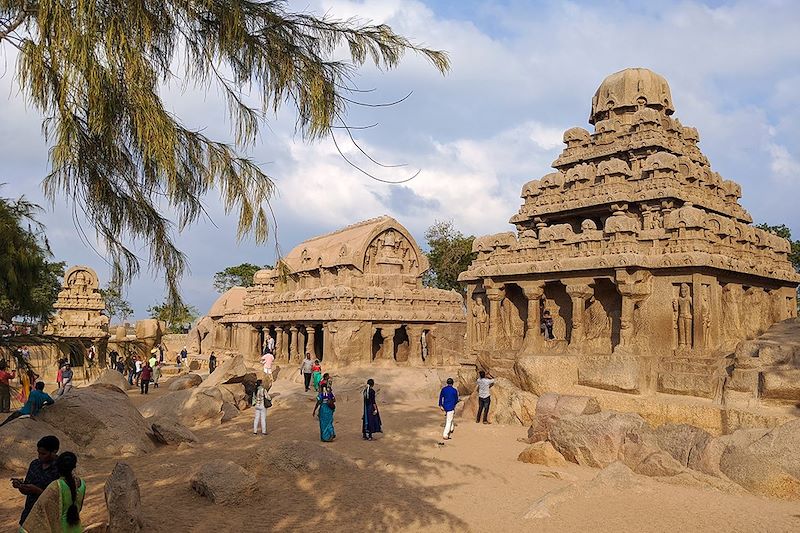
{"x": 41, "y": 472}
{"x": 36, "y": 400}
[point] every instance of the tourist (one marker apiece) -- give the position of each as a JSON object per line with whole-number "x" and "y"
{"x": 184, "y": 355}
{"x": 153, "y": 359}
{"x": 161, "y": 352}
{"x": 66, "y": 380}
{"x": 212, "y": 362}
{"x": 371, "y": 419}
{"x": 306, "y": 369}
{"x": 131, "y": 369}
{"x": 261, "y": 402}
{"x": 114, "y": 355}
{"x": 120, "y": 365}
{"x": 36, "y": 400}
{"x": 178, "y": 362}
{"x": 5, "y": 387}
{"x": 91, "y": 354}
{"x": 271, "y": 345}
{"x": 59, "y": 378}
{"x": 448, "y": 399}
{"x": 316, "y": 373}
{"x": 547, "y": 326}
{"x": 58, "y": 508}
{"x": 138, "y": 370}
{"x": 145, "y": 377}
{"x": 41, "y": 472}
{"x": 157, "y": 373}
{"x": 324, "y": 383}
{"x": 266, "y": 360}
{"x": 484, "y": 397}
{"x": 326, "y": 403}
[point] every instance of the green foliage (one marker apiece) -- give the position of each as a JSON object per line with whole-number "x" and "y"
{"x": 29, "y": 282}
{"x": 116, "y": 304}
{"x": 786, "y": 233}
{"x": 176, "y": 317}
{"x": 450, "y": 254}
{"x": 236, "y": 276}
{"x": 94, "y": 69}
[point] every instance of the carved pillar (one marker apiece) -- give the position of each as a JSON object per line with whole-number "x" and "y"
{"x": 495, "y": 293}
{"x": 634, "y": 289}
{"x": 533, "y": 290}
{"x": 310, "y": 336}
{"x": 293, "y": 337}
{"x": 415, "y": 345}
{"x": 281, "y": 343}
{"x": 579, "y": 292}
{"x": 388, "y": 344}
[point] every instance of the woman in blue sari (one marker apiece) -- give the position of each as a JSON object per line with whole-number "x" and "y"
{"x": 370, "y": 419}
{"x": 326, "y": 403}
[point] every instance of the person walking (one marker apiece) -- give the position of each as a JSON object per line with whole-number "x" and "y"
{"x": 184, "y": 355}
{"x": 66, "y": 380}
{"x": 371, "y": 419}
{"x": 306, "y": 369}
{"x": 326, "y": 403}
{"x": 316, "y": 373}
{"x": 41, "y": 472}
{"x": 145, "y": 377}
{"x": 5, "y": 387}
{"x": 261, "y": 402}
{"x": 157, "y": 374}
{"x": 448, "y": 398}
{"x": 484, "y": 397}
{"x": 266, "y": 360}
{"x": 138, "y": 370}
{"x": 59, "y": 506}
{"x": 212, "y": 362}
{"x": 131, "y": 366}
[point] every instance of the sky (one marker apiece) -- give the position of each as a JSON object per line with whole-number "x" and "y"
{"x": 522, "y": 73}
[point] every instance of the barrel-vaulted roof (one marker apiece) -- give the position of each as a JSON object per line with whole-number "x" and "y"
{"x": 348, "y": 246}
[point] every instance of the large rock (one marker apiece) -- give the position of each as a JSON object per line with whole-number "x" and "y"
{"x": 190, "y": 407}
{"x": 298, "y": 456}
{"x": 101, "y": 420}
{"x": 169, "y": 431}
{"x": 683, "y": 442}
{"x": 542, "y": 453}
{"x": 18, "y": 441}
{"x": 223, "y": 482}
{"x": 149, "y": 332}
{"x": 235, "y": 393}
{"x": 112, "y": 377}
{"x": 770, "y": 465}
{"x": 184, "y": 381}
{"x": 552, "y": 405}
{"x": 232, "y": 370}
{"x": 229, "y": 411}
{"x": 123, "y": 500}
{"x": 711, "y": 455}
{"x": 510, "y": 404}
{"x": 547, "y": 373}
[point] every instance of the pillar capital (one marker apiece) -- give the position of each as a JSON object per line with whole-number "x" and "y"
{"x": 578, "y": 290}
{"x": 532, "y": 289}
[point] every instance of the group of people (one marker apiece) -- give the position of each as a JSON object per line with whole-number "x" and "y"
{"x": 448, "y": 399}
{"x": 53, "y": 493}
{"x": 141, "y": 371}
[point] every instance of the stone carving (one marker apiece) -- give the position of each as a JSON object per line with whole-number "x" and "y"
{"x": 648, "y": 260}
{"x": 79, "y": 307}
{"x": 331, "y": 294}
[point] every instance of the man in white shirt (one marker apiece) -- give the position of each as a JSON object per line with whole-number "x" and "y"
{"x": 484, "y": 397}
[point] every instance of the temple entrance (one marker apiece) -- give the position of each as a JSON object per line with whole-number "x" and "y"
{"x": 514, "y": 308}
{"x": 557, "y": 302}
{"x": 319, "y": 342}
{"x": 602, "y": 317}
{"x": 377, "y": 343}
{"x": 402, "y": 345}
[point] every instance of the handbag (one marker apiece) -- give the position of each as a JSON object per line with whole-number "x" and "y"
{"x": 267, "y": 401}
{"x": 332, "y": 403}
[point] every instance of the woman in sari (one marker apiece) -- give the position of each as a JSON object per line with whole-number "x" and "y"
{"x": 316, "y": 374}
{"x": 326, "y": 403}
{"x": 371, "y": 419}
{"x": 58, "y": 508}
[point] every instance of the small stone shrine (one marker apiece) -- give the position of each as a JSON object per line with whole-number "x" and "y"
{"x": 79, "y": 307}
{"x": 351, "y": 297}
{"x": 637, "y": 251}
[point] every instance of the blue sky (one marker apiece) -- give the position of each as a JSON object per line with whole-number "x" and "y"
{"x": 522, "y": 73}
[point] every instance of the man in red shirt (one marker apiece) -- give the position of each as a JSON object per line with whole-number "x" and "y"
{"x": 5, "y": 387}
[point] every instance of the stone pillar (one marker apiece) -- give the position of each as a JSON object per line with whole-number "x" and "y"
{"x": 310, "y": 335}
{"x": 579, "y": 292}
{"x": 415, "y": 345}
{"x": 471, "y": 340}
{"x": 634, "y": 289}
{"x": 293, "y": 338}
{"x": 533, "y": 290}
{"x": 495, "y": 293}
{"x": 388, "y": 343}
{"x": 281, "y": 343}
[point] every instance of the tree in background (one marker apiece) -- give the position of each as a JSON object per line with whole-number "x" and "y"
{"x": 29, "y": 281}
{"x": 94, "y": 69}
{"x": 177, "y": 318}
{"x": 786, "y": 233}
{"x": 116, "y": 304}
{"x": 236, "y": 276}
{"x": 450, "y": 254}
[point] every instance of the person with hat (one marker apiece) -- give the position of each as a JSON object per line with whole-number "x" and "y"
{"x": 448, "y": 399}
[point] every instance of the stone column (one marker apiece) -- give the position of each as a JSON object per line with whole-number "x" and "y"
{"x": 388, "y": 343}
{"x": 533, "y": 290}
{"x": 579, "y": 292}
{"x": 634, "y": 289}
{"x": 415, "y": 345}
{"x": 293, "y": 338}
{"x": 310, "y": 335}
{"x": 495, "y": 293}
{"x": 471, "y": 340}
{"x": 281, "y": 344}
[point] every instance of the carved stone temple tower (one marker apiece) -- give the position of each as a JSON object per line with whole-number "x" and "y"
{"x": 636, "y": 249}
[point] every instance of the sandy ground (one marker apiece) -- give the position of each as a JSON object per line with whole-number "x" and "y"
{"x": 404, "y": 480}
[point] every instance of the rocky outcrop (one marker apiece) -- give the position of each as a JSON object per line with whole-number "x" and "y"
{"x": 510, "y": 404}
{"x": 101, "y": 420}
{"x": 232, "y": 370}
{"x": 112, "y": 377}
{"x": 223, "y": 482}
{"x": 684, "y": 443}
{"x": 184, "y": 381}
{"x": 169, "y": 431}
{"x": 229, "y": 411}
{"x": 190, "y": 407}
{"x": 542, "y": 453}
{"x": 551, "y": 405}
{"x": 18, "y": 441}
{"x": 123, "y": 500}
{"x": 542, "y": 374}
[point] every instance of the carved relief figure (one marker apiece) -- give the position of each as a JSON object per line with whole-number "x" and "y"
{"x": 705, "y": 301}
{"x": 682, "y": 308}
{"x": 480, "y": 320}
{"x": 598, "y": 325}
{"x": 731, "y": 297}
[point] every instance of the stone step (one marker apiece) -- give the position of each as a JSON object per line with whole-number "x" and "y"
{"x": 691, "y": 367}
{"x": 700, "y": 384}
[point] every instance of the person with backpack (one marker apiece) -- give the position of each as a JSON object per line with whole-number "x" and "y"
{"x": 260, "y": 402}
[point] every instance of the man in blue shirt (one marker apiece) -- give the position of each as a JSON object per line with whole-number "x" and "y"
{"x": 448, "y": 399}
{"x": 37, "y": 399}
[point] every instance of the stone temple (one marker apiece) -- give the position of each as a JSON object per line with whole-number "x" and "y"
{"x": 639, "y": 252}
{"x": 351, "y": 297}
